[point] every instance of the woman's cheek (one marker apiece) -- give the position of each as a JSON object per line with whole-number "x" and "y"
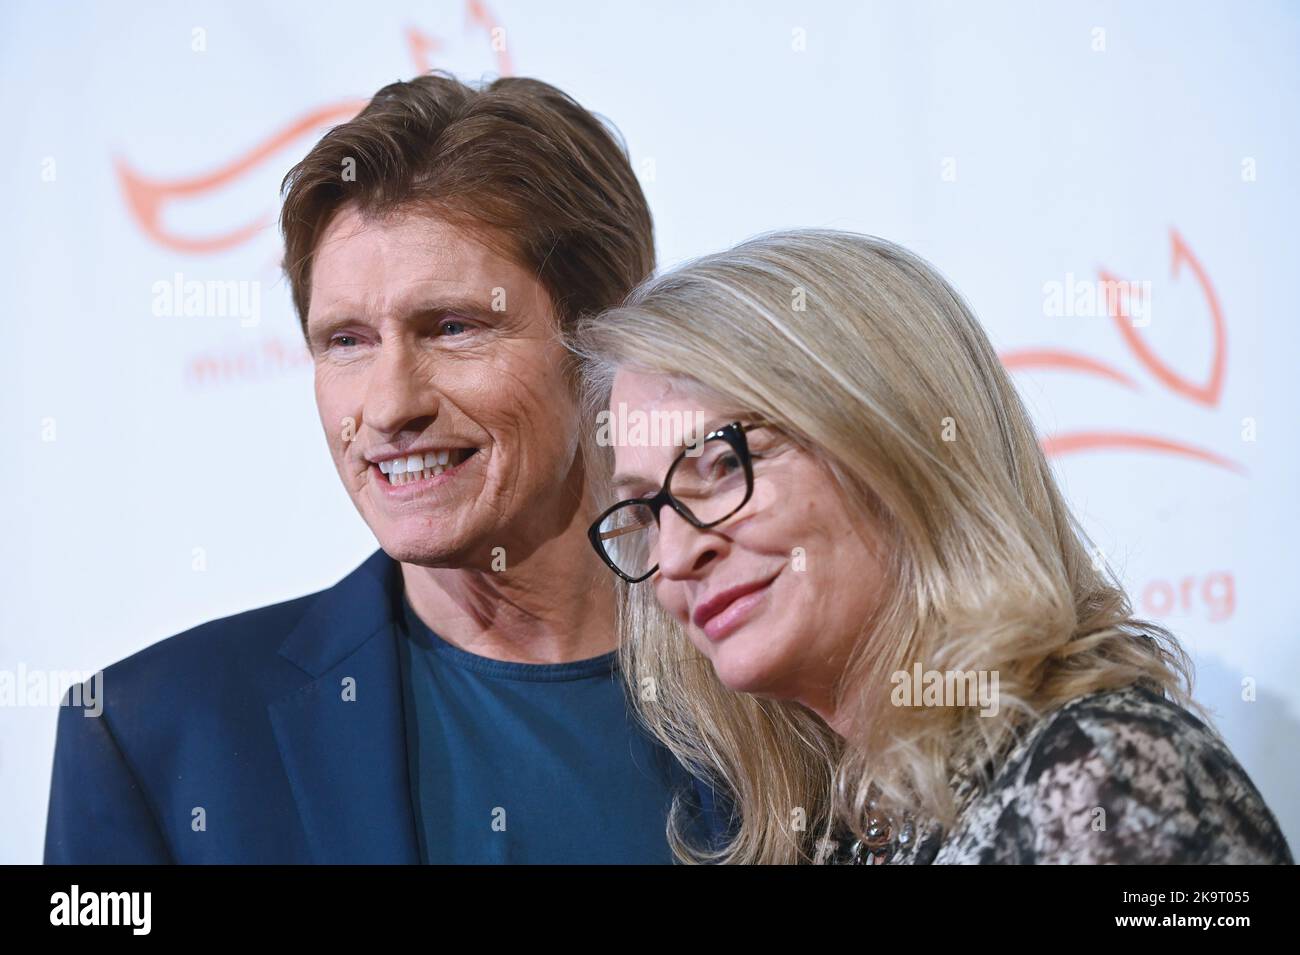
{"x": 673, "y": 599}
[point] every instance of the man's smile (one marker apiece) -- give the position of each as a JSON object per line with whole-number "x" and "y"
{"x": 403, "y": 478}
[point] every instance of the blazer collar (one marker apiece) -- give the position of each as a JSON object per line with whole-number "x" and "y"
{"x": 342, "y": 734}
{"x": 345, "y": 616}
{"x": 346, "y": 758}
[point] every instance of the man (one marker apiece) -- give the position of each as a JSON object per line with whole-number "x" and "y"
{"x": 454, "y": 699}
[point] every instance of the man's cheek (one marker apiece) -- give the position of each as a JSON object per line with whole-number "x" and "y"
{"x": 340, "y": 432}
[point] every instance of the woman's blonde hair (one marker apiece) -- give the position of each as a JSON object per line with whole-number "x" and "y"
{"x": 864, "y": 355}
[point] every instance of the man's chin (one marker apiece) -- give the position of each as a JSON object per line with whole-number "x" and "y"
{"x": 423, "y": 550}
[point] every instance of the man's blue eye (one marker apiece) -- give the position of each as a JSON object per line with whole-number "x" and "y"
{"x": 454, "y": 323}
{"x": 336, "y": 338}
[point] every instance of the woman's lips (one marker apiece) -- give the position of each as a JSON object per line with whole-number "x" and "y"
{"x": 726, "y": 613}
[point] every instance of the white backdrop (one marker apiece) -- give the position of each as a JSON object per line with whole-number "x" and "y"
{"x": 167, "y": 469}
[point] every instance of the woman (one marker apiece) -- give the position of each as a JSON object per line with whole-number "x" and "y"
{"x": 860, "y": 605}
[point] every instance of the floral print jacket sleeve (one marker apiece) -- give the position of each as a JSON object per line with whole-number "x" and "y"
{"x": 1117, "y": 776}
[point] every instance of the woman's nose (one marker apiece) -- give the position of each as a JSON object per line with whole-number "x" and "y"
{"x": 683, "y": 549}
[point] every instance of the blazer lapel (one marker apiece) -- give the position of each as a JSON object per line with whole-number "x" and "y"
{"x": 342, "y": 735}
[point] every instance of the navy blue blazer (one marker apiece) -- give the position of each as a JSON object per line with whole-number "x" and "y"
{"x": 232, "y": 743}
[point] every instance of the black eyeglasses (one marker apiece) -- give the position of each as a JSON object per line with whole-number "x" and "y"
{"x": 704, "y": 488}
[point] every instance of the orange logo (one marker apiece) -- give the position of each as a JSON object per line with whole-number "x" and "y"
{"x": 148, "y": 198}
{"x": 1119, "y": 307}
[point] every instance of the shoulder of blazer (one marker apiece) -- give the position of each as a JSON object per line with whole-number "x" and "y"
{"x": 221, "y": 667}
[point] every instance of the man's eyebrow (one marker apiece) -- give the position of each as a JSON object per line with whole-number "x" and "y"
{"x": 473, "y": 308}
{"x": 434, "y": 308}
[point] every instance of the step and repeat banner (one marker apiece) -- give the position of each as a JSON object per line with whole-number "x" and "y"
{"x": 1111, "y": 185}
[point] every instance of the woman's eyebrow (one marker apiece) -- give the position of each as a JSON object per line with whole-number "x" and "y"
{"x": 627, "y": 480}
{"x": 717, "y": 421}
{"x": 711, "y": 424}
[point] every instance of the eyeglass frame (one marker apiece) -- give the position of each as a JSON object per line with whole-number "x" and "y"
{"x": 734, "y": 435}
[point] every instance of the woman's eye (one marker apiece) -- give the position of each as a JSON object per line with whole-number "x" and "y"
{"x": 726, "y": 464}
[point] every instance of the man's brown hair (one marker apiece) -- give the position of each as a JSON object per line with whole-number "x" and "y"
{"x": 547, "y": 177}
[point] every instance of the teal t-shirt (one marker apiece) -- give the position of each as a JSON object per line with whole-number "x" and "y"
{"x": 529, "y": 763}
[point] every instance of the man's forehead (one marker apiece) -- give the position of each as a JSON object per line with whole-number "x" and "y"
{"x": 420, "y": 243}
{"x": 403, "y": 263}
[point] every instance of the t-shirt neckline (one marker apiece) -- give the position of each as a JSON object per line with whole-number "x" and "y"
{"x": 427, "y": 639}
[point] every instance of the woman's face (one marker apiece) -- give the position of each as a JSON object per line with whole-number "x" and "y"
{"x": 776, "y": 595}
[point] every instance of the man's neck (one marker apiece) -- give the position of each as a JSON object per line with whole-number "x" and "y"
{"x": 555, "y": 607}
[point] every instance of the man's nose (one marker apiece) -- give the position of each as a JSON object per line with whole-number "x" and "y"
{"x": 399, "y": 389}
{"x": 684, "y": 550}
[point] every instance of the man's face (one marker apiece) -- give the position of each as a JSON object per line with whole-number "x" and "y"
{"x": 424, "y": 340}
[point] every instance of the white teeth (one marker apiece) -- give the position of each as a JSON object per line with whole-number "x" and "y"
{"x": 415, "y": 467}
{"x": 407, "y": 477}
